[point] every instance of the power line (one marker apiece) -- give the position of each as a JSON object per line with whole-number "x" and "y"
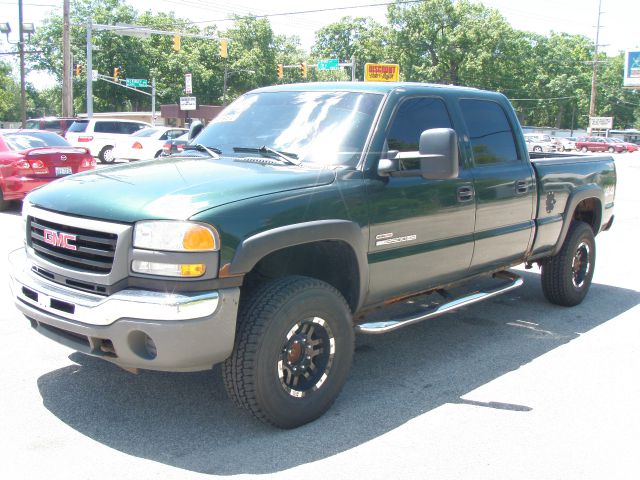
{"x": 318, "y": 10}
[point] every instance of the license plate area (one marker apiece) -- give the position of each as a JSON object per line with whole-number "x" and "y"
{"x": 63, "y": 171}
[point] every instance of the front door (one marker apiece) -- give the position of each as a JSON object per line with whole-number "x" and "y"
{"x": 421, "y": 231}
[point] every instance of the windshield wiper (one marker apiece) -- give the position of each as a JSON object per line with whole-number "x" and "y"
{"x": 288, "y": 158}
{"x": 212, "y": 151}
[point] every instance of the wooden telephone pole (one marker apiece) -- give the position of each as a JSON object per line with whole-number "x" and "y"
{"x": 67, "y": 82}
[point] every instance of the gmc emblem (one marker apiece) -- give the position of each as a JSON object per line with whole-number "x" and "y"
{"x": 59, "y": 239}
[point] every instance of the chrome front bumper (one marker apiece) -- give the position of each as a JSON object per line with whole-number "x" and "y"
{"x": 132, "y": 328}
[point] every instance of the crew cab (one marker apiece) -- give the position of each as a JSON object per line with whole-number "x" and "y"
{"x": 298, "y": 210}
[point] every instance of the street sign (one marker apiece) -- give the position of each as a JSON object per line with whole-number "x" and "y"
{"x": 187, "y": 103}
{"x": 188, "y": 86}
{"x": 137, "y": 82}
{"x": 94, "y": 75}
{"x": 330, "y": 64}
{"x": 601, "y": 123}
{"x": 381, "y": 72}
{"x": 632, "y": 68}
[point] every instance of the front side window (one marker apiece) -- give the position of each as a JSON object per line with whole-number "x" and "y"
{"x": 414, "y": 116}
{"x": 317, "y": 127}
{"x": 490, "y": 134}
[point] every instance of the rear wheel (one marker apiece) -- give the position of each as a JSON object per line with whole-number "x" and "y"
{"x": 106, "y": 154}
{"x": 584, "y": 149}
{"x": 537, "y": 149}
{"x": 566, "y": 277}
{"x": 293, "y": 351}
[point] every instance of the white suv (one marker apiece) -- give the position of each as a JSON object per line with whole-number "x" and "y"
{"x": 100, "y": 135}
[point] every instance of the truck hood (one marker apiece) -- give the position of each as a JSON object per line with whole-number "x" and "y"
{"x": 172, "y": 188}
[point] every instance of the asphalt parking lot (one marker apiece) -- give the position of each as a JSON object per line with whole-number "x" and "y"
{"x": 510, "y": 388}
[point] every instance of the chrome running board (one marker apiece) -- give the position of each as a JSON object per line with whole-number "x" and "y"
{"x": 514, "y": 281}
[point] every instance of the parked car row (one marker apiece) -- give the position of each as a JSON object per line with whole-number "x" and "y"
{"x": 543, "y": 143}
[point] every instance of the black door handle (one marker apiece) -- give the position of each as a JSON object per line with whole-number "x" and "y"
{"x": 522, "y": 186}
{"x": 465, "y": 193}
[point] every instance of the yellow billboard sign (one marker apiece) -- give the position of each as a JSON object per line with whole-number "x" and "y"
{"x": 381, "y": 72}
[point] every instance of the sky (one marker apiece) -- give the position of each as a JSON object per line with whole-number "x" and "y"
{"x": 620, "y": 19}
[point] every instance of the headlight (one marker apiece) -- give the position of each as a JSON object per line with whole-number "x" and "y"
{"x": 175, "y": 236}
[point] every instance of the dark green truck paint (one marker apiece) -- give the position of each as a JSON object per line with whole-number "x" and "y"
{"x": 374, "y": 236}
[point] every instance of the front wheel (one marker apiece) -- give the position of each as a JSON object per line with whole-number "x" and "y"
{"x": 611, "y": 150}
{"x": 584, "y": 149}
{"x": 537, "y": 149}
{"x": 293, "y": 351}
{"x": 566, "y": 277}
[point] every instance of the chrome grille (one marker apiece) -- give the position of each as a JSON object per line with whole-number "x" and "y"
{"x": 94, "y": 251}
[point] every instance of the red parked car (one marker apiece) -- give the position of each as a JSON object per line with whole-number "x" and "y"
{"x": 31, "y": 158}
{"x": 631, "y": 147}
{"x": 598, "y": 144}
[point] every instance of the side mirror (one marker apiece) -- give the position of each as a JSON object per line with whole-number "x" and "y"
{"x": 439, "y": 154}
{"x": 195, "y": 128}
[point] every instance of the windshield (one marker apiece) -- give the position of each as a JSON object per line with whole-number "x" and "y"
{"x": 25, "y": 140}
{"x": 318, "y": 127}
{"x": 146, "y": 132}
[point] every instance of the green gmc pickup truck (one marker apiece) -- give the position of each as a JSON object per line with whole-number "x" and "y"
{"x": 297, "y": 211}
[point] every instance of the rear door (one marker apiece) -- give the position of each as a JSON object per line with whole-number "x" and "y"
{"x": 421, "y": 231}
{"x": 504, "y": 184}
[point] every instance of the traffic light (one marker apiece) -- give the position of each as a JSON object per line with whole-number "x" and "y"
{"x": 224, "y": 53}
{"x": 176, "y": 42}
{"x": 303, "y": 70}
{"x": 280, "y": 70}
{"x": 116, "y": 73}
{"x": 78, "y": 69}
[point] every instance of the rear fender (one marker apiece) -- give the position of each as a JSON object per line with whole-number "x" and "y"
{"x": 580, "y": 194}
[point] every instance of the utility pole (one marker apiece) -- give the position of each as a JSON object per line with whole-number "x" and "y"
{"x": 89, "y": 66}
{"x": 153, "y": 101}
{"x": 594, "y": 77}
{"x": 23, "y": 97}
{"x": 67, "y": 82}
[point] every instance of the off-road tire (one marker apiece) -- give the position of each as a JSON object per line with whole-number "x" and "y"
{"x": 269, "y": 321}
{"x": 106, "y": 154}
{"x": 566, "y": 277}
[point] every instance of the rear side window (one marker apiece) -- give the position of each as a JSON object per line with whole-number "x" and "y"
{"x": 79, "y": 126}
{"x": 33, "y": 124}
{"x": 107, "y": 127}
{"x": 491, "y": 136}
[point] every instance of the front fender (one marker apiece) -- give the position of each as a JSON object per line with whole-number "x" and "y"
{"x": 254, "y": 248}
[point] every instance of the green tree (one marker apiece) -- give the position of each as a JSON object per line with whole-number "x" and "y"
{"x": 360, "y": 37}
{"x": 9, "y": 95}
